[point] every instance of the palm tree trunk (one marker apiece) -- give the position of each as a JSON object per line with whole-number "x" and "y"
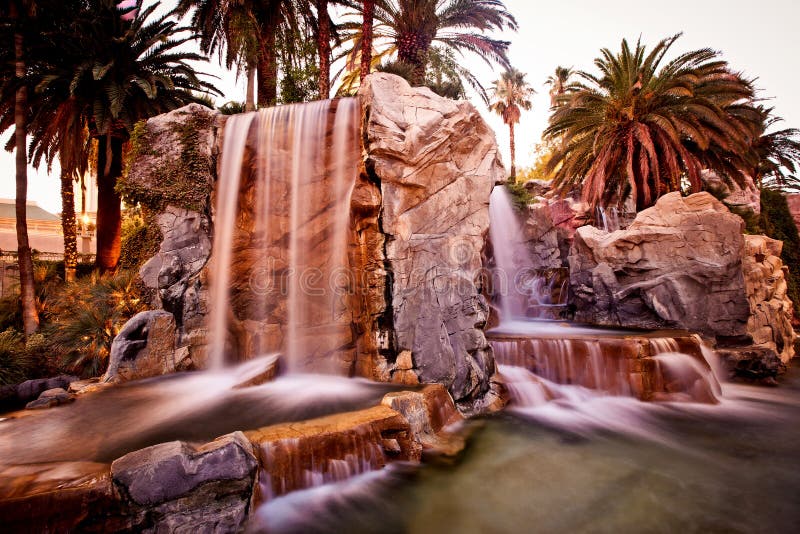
{"x": 30, "y": 317}
{"x": 412, "y": 49}
{"x": 324, "y": 49}
{"x": 109, "y": 204}
{"x": 68, "y": 227}
{"x": 366, "y": 38}
{"x": 267, "y": 68}
{"x": 250, "y": 97}
{"x": 513, "y": 152}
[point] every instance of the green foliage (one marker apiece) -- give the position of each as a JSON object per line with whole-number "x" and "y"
{"x": 441, "y": 75}
{"x": 643, "y": 124}
{"x": 520, "y": 196}
{"x": 776, "y": 222}
{"x": 300, "y": 81}
{"x": 181, "y": 182}
{"x": 232, "y": 108}
{"x": 15, "y": 361}
{"x": 140, "y": 236}
{"x": 85, "y": 316}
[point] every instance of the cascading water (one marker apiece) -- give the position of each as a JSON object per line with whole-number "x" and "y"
{"x": 279, "y": 270}
{"x": 521, "y": 291}
{"x": 543, "y": 361}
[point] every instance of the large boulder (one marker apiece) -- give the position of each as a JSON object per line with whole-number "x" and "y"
{"x": 177, "y": 487}
{"x": 145, "y": 347}
{"x": 436, "y": 161}
{"x": 743, "y": 199}
{"x": 678, "y": 265}
{"x": 771, "y": 311}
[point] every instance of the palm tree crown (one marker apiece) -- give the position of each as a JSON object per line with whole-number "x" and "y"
{"x": 411, "y": 27}
{"x": 641, "y": 127}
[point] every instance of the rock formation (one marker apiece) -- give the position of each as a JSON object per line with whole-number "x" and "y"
{"x": 770, "y": 321}
{"x": 684, "y": 263}
{"x": 436, "y": 161}
{"x": 679, "y": 265}
{"x": 145, "y": 347}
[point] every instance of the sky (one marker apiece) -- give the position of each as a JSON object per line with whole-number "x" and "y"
{"x": 757, "y": 38}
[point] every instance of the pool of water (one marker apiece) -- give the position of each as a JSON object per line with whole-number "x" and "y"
{"x": 732, "y": 467}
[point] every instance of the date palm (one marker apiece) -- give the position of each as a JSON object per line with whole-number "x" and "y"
{"x": 643, "y": 125}
{"x": 413, "y": 26}
{"x": 778, "y": 155}
{"x": 511, "y": 95}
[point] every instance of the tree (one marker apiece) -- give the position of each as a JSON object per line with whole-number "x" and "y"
{"x": 18, "y": 16}
{"x": 511, "y": 95}
{"x": 412, "y": 27}
{"x": 324, "y": 48}
{"x": 559, "y": 83}
{"x": 367, "y": 18}
{"x": 115, "y": 72}
{"x": 229, "y": 29}
{"x": 641, "y": 128}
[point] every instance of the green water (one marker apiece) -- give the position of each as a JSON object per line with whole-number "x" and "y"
{"x": 729, "y": 468}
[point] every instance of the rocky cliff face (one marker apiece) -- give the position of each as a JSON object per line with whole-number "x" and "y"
{"x": 679, "y": 265}
{"x": 770, "y": 321}
{"x": 436, "y": 161}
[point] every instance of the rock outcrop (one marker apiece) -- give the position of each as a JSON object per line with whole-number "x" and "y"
{"x": 679, "y": 265}
{"x": 145, "y": 347}
{"x": 15, "y": 396}
{"x": 436, "y": 161}
{"x": 743, "y": 199}
{"x": 771, "y": 311}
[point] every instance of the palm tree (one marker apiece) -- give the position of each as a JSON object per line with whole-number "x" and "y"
{"x": 229, "y": 28}
{"x": 511, "y": 95}
{"x": 641, "y": 128}
{"x": 126, "y": 70}
{"x": 18, "y": 15}
{"x": 324, "y": 48}
{"x": 413, "y": 26}
{"x": 367, "y": 18}
{"x": 559, "y": 83}
{"x": 778, "y": 155}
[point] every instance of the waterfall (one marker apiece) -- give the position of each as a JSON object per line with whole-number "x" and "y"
{"x": 520, "y": 289}
{"x": 280, "y": 272}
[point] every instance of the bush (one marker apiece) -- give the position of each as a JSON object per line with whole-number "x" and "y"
{"x": 140, "y": 237}
{"x": 86, "y": 316}
{"x": 15, "y": 362}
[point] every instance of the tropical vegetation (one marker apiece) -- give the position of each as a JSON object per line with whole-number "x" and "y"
{"x": 644, "y": 126}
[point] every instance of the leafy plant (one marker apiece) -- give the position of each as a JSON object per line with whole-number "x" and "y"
{"x": 15, "y": 362}
{"x": 87, "y": 315}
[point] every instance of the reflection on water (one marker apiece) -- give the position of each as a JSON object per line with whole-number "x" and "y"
{"x": 193, "y": 407}
{"x": 640, "y": 467}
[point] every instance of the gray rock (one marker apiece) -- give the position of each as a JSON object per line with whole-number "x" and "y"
{"x": 679, "y": 265}
{"x": 177, "y": 487}
{"x": 50, "y": 398}
{"x": 436, "y": 161}
{"x": 145, "y": 347}
{"x": 18, "y": 395}
{"x": 752, "y": 364}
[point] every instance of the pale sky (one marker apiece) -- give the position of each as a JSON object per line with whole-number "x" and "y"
{"x": 758, "y": 38}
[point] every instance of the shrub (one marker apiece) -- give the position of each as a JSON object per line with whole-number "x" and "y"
{"x": 140, "y": 237}
{"x": 87, "y": 315}
{"x": 15, "y": 362}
